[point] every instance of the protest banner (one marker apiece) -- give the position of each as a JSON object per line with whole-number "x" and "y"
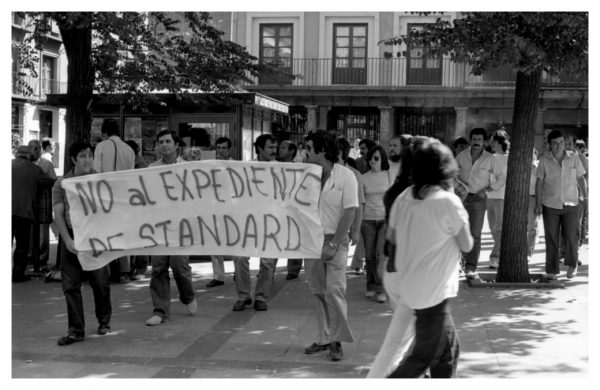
{"x": 197, "y": 208}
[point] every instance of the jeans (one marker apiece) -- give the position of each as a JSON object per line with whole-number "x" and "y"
{"x": 373, "y": 233}
{"x": 532, "y": 226}
{"x": 584, "y": 222}
{"x": 495, "y": 210}
{"x": 294, "y": 266}
{"x": 327, "y": 282}
{"x": 475, "y": 206}
{"x": 160, "y": 287}
{"x": 435, "y": 346}
{"x": 568, "y": 220}
{"x": 218, "y": 268}
{"x": 71, "y": 273}
{"x": 243, "y": 282}
{"x": 21, "y": 233}
{"x": 359, "y": 254}
{"x": 44, "y": 243}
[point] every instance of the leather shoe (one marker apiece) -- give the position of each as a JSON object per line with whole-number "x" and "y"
{"x": 335, "y": 351}
{"x": 103, "y": 329}
{"x": 69, "y": 339}
{"x": 314, "y": 348}
{"x": 241, "y": 305}
{"x": 215, "y": 283}
{"x": 291, "y": 276}
{"x": 260, "y": 305}
{"x": 192, "y": 307}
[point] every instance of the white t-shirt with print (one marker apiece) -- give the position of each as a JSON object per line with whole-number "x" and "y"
{"x": 427, "y": 252}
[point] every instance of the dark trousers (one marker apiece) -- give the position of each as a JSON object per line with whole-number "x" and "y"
{"x": 435, "y": 346}
{"x": 71, "y": 273}
{"x": 294, "y": 266}
{"x": 373, "y": 233}
{"x": 21, "y": 233}
{"x": 567, "y": 219}
{"x": 475, "y": 206}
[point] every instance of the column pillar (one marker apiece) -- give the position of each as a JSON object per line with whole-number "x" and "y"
{"x": 323, "y": 111}
{"x": 386, "y": 125}
{"x": 460, "y": 127}
{"x": 311, "y": 118}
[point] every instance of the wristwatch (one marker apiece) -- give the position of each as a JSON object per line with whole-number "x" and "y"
{"x": 332, "y": 245}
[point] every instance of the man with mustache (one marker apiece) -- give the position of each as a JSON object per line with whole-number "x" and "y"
{"x": 475, "y": 169}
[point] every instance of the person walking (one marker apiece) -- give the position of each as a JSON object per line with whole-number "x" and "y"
{"x": 476, "y": 167}
{"x": 160, "y": 289}
{"x": 495, "y": 197}
{"x": 422, "y": 334}
{"x": 327, "y": 275}
{"x": 27, "y": 180}
{"x": 559, "y": 175}
{"x": 376, "y": 183}
{"x": 71, "y": 272}
{"x": 112, "y": 155}
{"x": 266, "y": 150}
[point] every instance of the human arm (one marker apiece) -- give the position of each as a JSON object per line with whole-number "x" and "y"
{"x": 581, "y": 182}
{"x": 61, "y": 223}
{"x": 464, "y": 238}
{"x": 539, "y": 186}
{"x": 98, "y": 158}
{"x": 355, "y": 232}
{"x": 342, "y": 230}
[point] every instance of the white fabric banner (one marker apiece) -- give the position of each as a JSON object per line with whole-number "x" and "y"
{"x": 197, "y": 208}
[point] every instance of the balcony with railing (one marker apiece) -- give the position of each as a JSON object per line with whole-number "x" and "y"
{"x": 35, "y": 88}
{"x": 396, "y": 72}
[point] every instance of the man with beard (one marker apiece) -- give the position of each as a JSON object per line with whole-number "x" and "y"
{"x": 397, "y": 144}
{"x": 475, "y": 169}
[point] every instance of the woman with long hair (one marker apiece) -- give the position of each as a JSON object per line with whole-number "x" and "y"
{"x": 495, "y": 196}
{"x": 376, "y": 182}
{"x": 428, "y": 226}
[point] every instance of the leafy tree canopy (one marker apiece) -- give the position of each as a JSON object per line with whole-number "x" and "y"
{"x": 524, "y": 41}
{"x": 136, "y": 53}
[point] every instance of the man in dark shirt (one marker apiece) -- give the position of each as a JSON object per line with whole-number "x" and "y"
{"x": 28, "y": 180}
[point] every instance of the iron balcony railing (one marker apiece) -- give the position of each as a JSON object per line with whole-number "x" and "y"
{"x": 394, "y": 72}
{"x": 38, "y": 87}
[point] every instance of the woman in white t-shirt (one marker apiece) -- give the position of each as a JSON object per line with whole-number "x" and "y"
{"x": 495, "y": 194}
{"x": 376, "y": 182}
{"x": 428, "y": 227}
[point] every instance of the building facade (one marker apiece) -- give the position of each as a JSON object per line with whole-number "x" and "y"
{"x": 343, "y": 80}
{"x": 31, "y": 116}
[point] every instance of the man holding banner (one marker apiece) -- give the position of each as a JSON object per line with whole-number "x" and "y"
{"x": 327, "y": 275}
{"x": 81, "y": 155}
{"x": 266, "y": 150}
{"x": 160, "y": 290}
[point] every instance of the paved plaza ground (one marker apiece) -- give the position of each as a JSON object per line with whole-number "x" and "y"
{"x": 504, "y": 332}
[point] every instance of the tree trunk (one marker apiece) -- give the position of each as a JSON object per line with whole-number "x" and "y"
{"x": 77, "y": 39}
{"x": 513, "y": 250}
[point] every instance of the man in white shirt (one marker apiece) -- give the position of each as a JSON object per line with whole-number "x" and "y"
{"x": 397, "y": 144}
{"x": 560, "y": 175}
{"x": 111, "y": 155}
{"x": 223, "y": 152}
{"x": 287, "y": 153}
{"x": 327, "y": 275}
{"x": 476, "y": 166}
{"x": 160, "y": 289}
{"x": 47, "y": 149}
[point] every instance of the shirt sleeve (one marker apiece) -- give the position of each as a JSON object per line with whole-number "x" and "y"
{"x": 98, "y": 158}
{"x": 541, "y": 169}
{"x": 349, "y": 190}
{"x": 454, "y": 215}
{"x": 361, "y": 188}
{"x": 580, "y": 170}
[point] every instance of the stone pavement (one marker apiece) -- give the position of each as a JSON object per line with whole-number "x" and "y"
{"x": 504, "y": 333}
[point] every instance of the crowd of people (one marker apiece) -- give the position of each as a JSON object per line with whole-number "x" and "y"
{"x": 414, "y": 212}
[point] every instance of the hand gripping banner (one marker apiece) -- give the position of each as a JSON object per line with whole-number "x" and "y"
{"x": 197, "y": 208}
